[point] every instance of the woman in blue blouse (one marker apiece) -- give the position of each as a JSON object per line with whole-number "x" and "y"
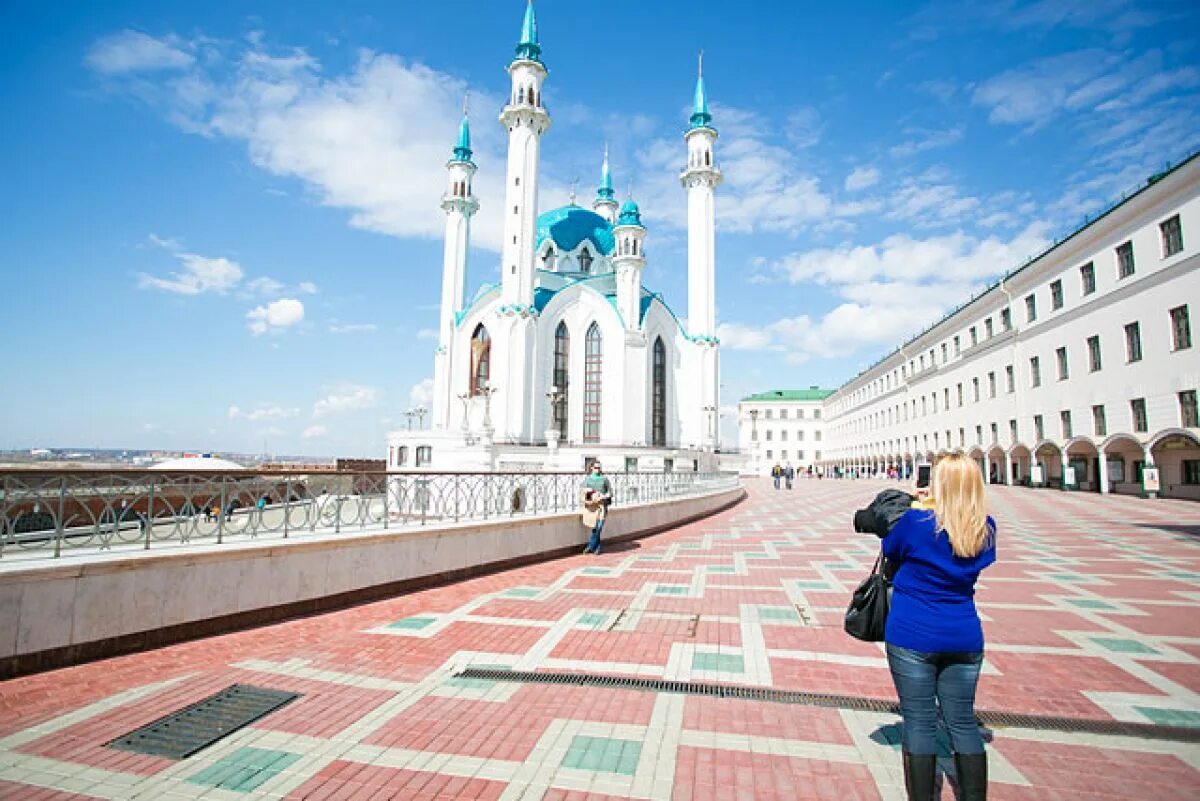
{"x": 934, "y": 638}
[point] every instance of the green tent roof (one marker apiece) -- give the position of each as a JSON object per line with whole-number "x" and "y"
{"x": 810, "y": 394}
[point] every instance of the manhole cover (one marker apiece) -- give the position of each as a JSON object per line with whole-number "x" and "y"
{"x": 188, "y": 730}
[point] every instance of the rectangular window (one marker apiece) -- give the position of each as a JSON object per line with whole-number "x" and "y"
{"x": 769, "y": 456}
{"x": 816, "y": 436}
{"x": 957, "y": 345}
{"x": 1181, "y": 328}
{"x": 1187, "y": 409}
{"x": 960, "y": 395}
{"x": 991, "y": 385}
{"x": 783, "y": 414}
{"x": 995, "y": 433}
{"x": 978, "y": 435}
{"x": 767, "y": 416}
{"x": 1138, "y": 407}
{"x": 1010, "y": 379}
{"x": 945, "y": 357}
{"x": 1087, "y": 276}
{"x": 1065, "y": 417}
{"x": 924, "y": 407}
{"x": 783, "y": 435}
{"x": 1056, "y": 295}
{"x": 1172, "y": 236}
{"x": 1037, "y": 427}
{"x": 975, "y": 389}
{"x": 800, "y": 455}
{"x": 974, "y": 337}
{"x": 1133, "y": 342}
{"x": 1191, "y": 471}
{"x": 1012, "y": 430}
{"x": 770, "y": 434}
{"x": 1030, "y": 308}
{"x": 816, "y": 414}
{"x": 1061, "y": 353}
{"x": 800, "y": 436}
{"x": 946, "y": 397}
{"x": 1094, "y": 353}
{"x": 1035, "y": 372}
{"x": 783, "y": 454}
{"x": 987, "y": 327}
{"x": 1125, "y": 260}
{"x": 1006, "y": 318}
{"x": 1099, "y": 424}
{"x": 799, "y": 414}
{"x": 962, "y": 437}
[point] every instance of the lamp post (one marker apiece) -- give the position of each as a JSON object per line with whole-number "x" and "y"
{"x": 410, "y": 414}
{"x": 710, "y": 414}
{"x": 466, "y": 425}
{"x": 552, "y": 431}
{"x": 420, "y": 412}
{"x": 488, "y": 430}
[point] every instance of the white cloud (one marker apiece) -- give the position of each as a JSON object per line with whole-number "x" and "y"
{"x": 313, "y": 432}
{"x": 422, "y": 393}
{"x": 200, "y": 274}
{"x": 262, "y": 413}
{"x": 133, "y": 51}
{"x": 345, "y": 398}
{"x": 277, "y": 315}
{"x": 921, "y": 140}
{"x": 351, "y": 328}
{"x": 427, "y": 333}
{"x": 166, "y": 243}
{"x": 861, "y": 178}
{"x": 264, "y": 286}
{"x": 742, "y": 337}
{"x": 307, "y": 287}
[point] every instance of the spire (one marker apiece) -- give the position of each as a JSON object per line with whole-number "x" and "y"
{"x": 605, "y": 192}
{"x": 462, "y": 150}
{"x": 700, "y": 117}
{"x": 528, "y": 47}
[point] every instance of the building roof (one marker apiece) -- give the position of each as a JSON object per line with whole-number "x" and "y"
{"x": 568, "y": 226}
{"x": 204, "y": 462}
{"x": 810, "y": 394}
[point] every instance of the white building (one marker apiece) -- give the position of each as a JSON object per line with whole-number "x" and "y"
{"x": 1083, "y": 358}
{"x": 784, "y": 427}
{"x": 570, "y": 357}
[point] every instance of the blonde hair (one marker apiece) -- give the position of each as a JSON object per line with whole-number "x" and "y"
{"x": 960, "y": 505}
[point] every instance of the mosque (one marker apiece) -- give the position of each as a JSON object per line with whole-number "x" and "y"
{"x": 570, "y": 357}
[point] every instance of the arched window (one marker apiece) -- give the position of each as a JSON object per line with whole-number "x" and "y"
{"x": 707, "y": 159}
{"x": 548, "y": 259}
{"x": 481, "y": 359}
{"x": 402, "y": 456}
{"x": 658, "y": 416}
{"x": 593, "y": 367}
{"x": 585, "y": 261}
{"x": 424, "y": 455}
{"x": 562, "y": 350}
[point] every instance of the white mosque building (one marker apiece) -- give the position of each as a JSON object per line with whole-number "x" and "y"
{"x": 569, "y": 357}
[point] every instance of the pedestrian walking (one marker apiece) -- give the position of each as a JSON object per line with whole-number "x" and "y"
{"x": 933, "y": 634}
{"x": 596, "y": 498}
{"x": 776, "y": 474}
{"x": 789, "y": 474}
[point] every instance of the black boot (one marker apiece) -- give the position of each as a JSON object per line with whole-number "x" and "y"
{"x": 972, "y": 776}
{"x": 920, "y": 776}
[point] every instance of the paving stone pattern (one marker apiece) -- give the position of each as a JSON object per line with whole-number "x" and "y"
{"x": 1091, "y": 611}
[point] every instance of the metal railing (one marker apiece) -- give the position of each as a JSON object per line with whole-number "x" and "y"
{"x": 52, "y": 513}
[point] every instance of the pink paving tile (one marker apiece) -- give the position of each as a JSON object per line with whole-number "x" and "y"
{"x": 1053, "y": 684}
{"x": 765, "y": 719}
{"x": 343, "y": 781}
{"x": 1033, "y": 627}
{"x": 702, "y": 773}
{"x": 1178, "y": 620}
{"x": 1074, "y": 771}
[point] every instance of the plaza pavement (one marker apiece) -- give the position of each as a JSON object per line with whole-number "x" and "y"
{"x": 1091, "y": 611}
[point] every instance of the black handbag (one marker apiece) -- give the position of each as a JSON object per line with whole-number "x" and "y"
{"x": 866, "y": 617}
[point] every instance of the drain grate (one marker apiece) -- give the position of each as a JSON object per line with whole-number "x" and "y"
{"x": 188, "y": 730}
{"x": 990, "y": 719}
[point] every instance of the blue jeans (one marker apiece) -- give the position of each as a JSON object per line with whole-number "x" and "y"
{"x": 776, "y": 481}
{"x": 926, "y": 682}
{"x": 594, "y": 543}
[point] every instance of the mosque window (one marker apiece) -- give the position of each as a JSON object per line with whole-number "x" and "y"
{"x": 521, "y": 95}
{"x": 548, "y": 259}
{"x": 424, "y": 455}
{"x": 402, "y": 456}
{"x": 562, "y": 349}
{"x": 585, "y": 261}
{"x": 481, "y": 359}
{"x": 593, "y": 368}
{"x": 658, "y": 434}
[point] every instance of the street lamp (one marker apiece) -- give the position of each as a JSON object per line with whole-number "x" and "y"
{"x": 466, "y": 425}
{"x": 410, "y": 414}
{"x": 420, "y": 412}
{"x": 553, "y": 433}
{"x": 488, "y": 430}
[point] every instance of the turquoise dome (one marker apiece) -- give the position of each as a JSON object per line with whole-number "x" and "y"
{"x": 630, "y": 214}
{"x": 568, "y": 226}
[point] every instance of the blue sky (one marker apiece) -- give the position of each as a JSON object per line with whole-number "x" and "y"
{"x": 221, "y": 222}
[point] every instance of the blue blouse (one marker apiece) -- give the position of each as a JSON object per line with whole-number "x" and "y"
{"x": 933, "y": 603}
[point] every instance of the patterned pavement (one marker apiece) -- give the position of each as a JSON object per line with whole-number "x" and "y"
{"x": 1090, "y": 612}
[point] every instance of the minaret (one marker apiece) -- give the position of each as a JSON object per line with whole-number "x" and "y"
{"x": 701, "y": 178}
{"x": 605, "y": 203}
{"x": 460, "y": 204}
{"x": 629, "y": 259}
{"x": 526, "y": 120}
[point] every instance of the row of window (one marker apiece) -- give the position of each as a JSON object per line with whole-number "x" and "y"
{"x": 398, "y": 456}
{"x": 1189, "y": 417}
{"x": 1171, "y": 234}
{"x": 783, "y": 414}
{"x": 768, "y": 435}
{"x": 1181, "y": 338}
{"x": 783, "y": 455}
